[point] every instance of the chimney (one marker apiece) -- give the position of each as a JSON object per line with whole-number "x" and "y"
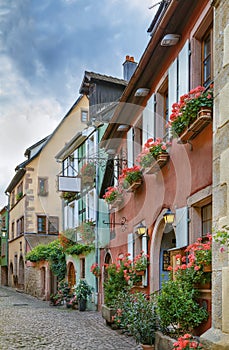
{"x": 129, "y": 67}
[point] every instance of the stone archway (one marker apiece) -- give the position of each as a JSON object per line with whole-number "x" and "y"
{"x": 21, "y": 273}
{"x": 71, "y": 275}
{"x": 159, "y": 245}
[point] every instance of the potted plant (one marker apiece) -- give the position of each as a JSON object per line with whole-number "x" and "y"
{"x": 136, "y": 314}
{"x": 95, "y": 269}
{"x": 186, "y": 112}
{"x": 82, "y": 292}
{"x": 154, "y": 155}
{"x": 131, "y": 178}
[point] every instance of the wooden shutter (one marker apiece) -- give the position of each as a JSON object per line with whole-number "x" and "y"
{"x": 148, "y": 120}
{"x": 183, "y": 72}
{"x": 53, "y": 224}
{"x": 181, "y": 227}
{"x": 172, "y": 93}
{"x": 130, "y": 147}
{"x": 131, "y": 245}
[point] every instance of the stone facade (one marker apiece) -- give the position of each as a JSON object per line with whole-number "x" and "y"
{"x": 218, "y": 336}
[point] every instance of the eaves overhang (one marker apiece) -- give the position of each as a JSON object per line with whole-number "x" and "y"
{"x": 155, "y": 60}
{"x": 16, "y": 179}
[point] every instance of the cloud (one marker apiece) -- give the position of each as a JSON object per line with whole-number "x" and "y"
{"x": 45, "y": 47}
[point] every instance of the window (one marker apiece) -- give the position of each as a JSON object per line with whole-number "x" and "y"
{"x": 53, "y": 224}
{"x": 42, "y": 186}
{"x": 162, "y": 116}
{"x": 41, "y": 224}
{"x": 206, "y": 215}
{"x": 12, "y": 230}
{"x": 12, "y": 198}
{"x": 82, "y": 268}
{"x": 207, "y": 59}
{"x": 47, "y": 225}
{"x": 20, "y": 226}
{"x": 19, "y": 191}
{"x": 84, "y": 116}
{"x": 82, "y": 210}
{"x": 3, "y": 222}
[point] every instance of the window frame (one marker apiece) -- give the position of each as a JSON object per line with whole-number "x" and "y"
{"x": 43, "y": 191}
{"x": 44, "y": 225}
{"x": 83, "y": 119}
{"x": 206, "y": 81}
{"x": 82, "y": 268}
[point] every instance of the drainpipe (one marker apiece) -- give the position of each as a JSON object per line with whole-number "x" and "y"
{"x": 97, "y": 214}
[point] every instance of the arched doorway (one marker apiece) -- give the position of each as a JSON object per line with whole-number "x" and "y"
{"x": 108, "y": 261}
{"x": 43, "y": 281}
{"x": 71, "y": 275}
{"x": 21, "y": 273}
{"x": 11, "y": 272}
{"x": 163, "y": 239}
{"x": 168, "y": 241}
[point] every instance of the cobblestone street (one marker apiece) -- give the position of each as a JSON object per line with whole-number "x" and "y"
{"x": 28, "y": 323}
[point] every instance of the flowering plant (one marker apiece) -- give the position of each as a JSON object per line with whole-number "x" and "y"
{"x": 95, "y": 269}
{"x": 130, "y": 175}
{"x": 117, "y": 279}
{"x": 151, "y": 150}
{"x": 186, "y": 343}
{"x": 136, "y": 313}
{"x": 73, "y": 301}
{"x": 222, "y": 237}
{"x": 140, "y": 262}
{"x": 186, "y": 110}
{"x": 112, "y": 194}
{"x": 121, "y": 276}
{"x": 200, "y": 252}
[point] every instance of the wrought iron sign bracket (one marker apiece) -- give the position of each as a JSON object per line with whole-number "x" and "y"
{"x": 122, "y": 223}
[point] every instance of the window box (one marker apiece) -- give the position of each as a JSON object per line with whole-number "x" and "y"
{"x": 134, "y": 186}
{"x": 161, "y": 160}
{"x": 204, "y": 117}
{"x": 116, "y": 203}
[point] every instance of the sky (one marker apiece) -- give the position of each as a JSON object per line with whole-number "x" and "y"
{"x": 45, "y": 47}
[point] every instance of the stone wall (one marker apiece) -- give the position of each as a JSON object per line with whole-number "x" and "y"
{"x": 163, "y": 342}
{"x": 218, "y": 336}
{"x": 33, "y": 281}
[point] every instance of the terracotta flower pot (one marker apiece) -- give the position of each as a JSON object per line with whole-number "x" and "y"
{"x": 147, "y": 347}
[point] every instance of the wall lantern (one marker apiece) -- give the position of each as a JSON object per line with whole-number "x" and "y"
{"x": 141, "y": 229}
{"x": 169, "y": 217}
